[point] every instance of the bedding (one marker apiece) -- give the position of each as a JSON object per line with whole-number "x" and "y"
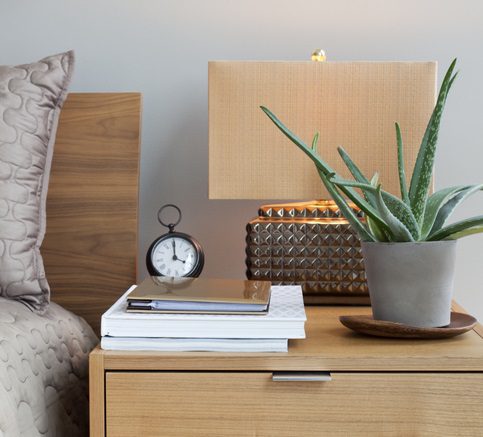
{"x": 43, "y": 371}
{"x": 31, "y": 97}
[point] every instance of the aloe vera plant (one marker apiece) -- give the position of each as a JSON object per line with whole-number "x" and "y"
{"x": 416, "y": 215}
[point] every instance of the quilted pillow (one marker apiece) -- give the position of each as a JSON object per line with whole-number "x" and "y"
{"x": 31, "y": 97}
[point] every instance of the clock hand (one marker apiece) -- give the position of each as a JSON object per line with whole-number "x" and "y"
{"x": 174, "y": 251}
{"x": 175, "y": 258}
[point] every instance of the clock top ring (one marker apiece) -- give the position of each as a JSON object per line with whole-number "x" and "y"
{"x": 170, "y": 226}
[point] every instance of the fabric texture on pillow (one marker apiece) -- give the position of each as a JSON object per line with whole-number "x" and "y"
{"x": 31, "y": 97}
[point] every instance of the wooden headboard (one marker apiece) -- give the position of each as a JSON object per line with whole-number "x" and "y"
{"x": 90, "y": 248}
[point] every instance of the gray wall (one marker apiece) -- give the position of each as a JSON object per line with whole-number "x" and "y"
{"x": 161, "y": 48}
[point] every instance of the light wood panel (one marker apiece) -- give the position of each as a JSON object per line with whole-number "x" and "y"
{"x": 248, "y": 404}
{"x": 96, "y": 395}
{"x": 329, "y": 346}
{"x": 91, "y": 241}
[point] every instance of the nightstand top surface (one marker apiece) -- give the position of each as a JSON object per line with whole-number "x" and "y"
{"x": 329, "y": 346}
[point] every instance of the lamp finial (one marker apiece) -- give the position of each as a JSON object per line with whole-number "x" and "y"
{"x": 318, "y": 55}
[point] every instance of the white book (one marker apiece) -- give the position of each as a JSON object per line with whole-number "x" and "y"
{"x": 285, "y": 319}
{"x": 194, "y": 344}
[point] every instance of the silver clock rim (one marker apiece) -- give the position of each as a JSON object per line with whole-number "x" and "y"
{"x": 199, "y": 262}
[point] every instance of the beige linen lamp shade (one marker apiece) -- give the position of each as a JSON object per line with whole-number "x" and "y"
{"x": 351, "y": 104}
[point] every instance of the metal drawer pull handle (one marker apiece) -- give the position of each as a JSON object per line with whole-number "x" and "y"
{"x": 301, "y": 376}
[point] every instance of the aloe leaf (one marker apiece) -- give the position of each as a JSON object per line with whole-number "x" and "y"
{"x": 296, "y": 140}
{"x": 441, "y": 204}
{"x": 319, "y": 163}
{"x": 375, "y": 179}
{"x": 400, "y": 166}
{"x": 345, "y": 209}
{"x": 403, "y": 212}
{"x": 446, "y": 210}
{"x": 324, "y": 170}
{"x": 434, "y": 204}
{"x": 354, "y": 184}
{"x": 351, "y": 165}
{"x": 358, "y": 175}
{"x": 369, "y": 211}
{"x": 423, "y": 168}
{"x": 397, "y": 207}
{"x": 314, "y": 142}
{"x": 452, "y": 80}
{"x": 399, "y": 232}
{"x": 376, "y": 230}
{"x": 469, "y": 231}
{"x": 458, "y": 229}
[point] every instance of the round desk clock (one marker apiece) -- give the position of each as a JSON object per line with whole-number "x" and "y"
{"x": 174, "y": 254}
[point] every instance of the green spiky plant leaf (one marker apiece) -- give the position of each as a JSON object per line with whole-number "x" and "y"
{"x": 379, "y": 233}
{"x": 447, "y": 208}
{"x": 324, "y": 172}
{"x": 423, "y": 168}
{"x": 400, "y": 167}
{"x": 347, "y": 211}
{"x": 416, "y": 216}
{"x": 358, "y": 175}
{"x": 389, "y": 206}
{"x": 459, "y": 229}
{"x": 399, "y": 231}
{"x": 399, "y": 209}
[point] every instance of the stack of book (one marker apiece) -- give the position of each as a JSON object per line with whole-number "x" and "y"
{"x": 186, "y": 314}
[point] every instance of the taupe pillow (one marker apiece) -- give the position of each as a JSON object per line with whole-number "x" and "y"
{"x": 31, "y": 97}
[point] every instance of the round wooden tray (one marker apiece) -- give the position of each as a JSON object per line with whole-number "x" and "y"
{"x": 460, "y": 323}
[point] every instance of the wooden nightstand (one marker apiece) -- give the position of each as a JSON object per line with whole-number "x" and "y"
{"x": 377, "y": 387}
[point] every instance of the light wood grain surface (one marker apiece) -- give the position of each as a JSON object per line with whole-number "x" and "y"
{"x": 455, "y": 306}
{"x": 96, "y": 395}
{"x": 379, "y": 386}
{"x": 329, "y": 346}
{"x": 90, "y": 246}
{"x": 251, "y": 404}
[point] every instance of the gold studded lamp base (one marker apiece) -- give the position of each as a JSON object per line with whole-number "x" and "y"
{"x": 309, "y": 244}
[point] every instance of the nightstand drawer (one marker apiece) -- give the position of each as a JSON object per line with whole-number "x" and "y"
{"x": 251, "y": 403}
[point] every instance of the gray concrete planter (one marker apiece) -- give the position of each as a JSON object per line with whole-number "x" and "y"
{"x": 411, "y": 283}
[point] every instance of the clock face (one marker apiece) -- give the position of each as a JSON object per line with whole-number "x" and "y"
{"x": 174, "y": 256}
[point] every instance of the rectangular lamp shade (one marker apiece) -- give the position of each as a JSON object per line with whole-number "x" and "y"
{"x": 350, "y": 104}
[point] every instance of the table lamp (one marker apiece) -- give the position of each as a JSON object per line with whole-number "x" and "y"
{"x": 350, "y": 104}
